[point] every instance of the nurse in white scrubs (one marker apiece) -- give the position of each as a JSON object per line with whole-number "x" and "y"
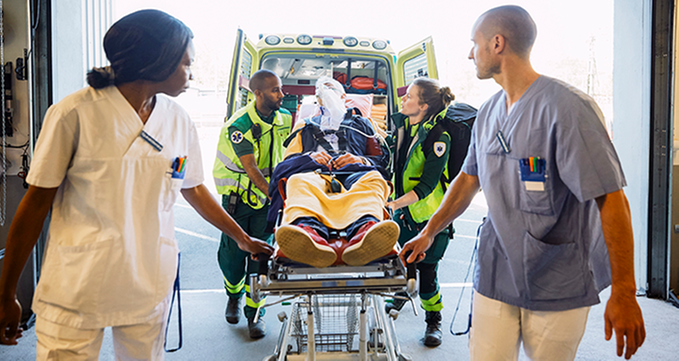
{"x": 110, "y": 161}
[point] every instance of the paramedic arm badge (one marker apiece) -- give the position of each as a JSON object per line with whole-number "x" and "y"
{"x": 439, "y": 149}
{"x": 236, "y": 137}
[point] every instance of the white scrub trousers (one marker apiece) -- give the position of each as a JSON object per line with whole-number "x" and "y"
{"x": 498, "y": 330}
{"x": 143, "y": 341}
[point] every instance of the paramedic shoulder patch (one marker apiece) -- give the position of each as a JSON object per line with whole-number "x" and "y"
{"x": 237, "y": 137}
{"x": 439, "y": 149}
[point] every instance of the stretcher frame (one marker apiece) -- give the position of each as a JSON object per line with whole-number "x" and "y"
{"x": 352, "y": 295}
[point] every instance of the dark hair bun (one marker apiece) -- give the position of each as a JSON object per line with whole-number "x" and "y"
{"x": 99, "y": 78}
{"x": 447, "y": 95}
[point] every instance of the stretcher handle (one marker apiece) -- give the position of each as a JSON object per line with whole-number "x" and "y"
{"x": 282, "y": 183}
{"x": 263, "y": 260}
{"x": 411, "y": 268}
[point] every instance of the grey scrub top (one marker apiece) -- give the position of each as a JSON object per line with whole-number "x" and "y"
{"x": 541, "y": 246}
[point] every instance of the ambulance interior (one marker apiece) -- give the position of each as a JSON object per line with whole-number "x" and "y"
{"x": 366, "y": 81}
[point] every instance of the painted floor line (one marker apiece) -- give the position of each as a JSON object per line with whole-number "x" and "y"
{"x": 468, "y": 220}
{"x": 194, "y": 234}
{"x": 455, "y": 285}
{"x": 463, "y": 236}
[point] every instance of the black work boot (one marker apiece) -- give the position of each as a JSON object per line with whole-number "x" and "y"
{"x": 232, "y": 312}
{"x": 256, "y": 329}
{"x": 397, "y": 303}
{"x": 433, "y": 334}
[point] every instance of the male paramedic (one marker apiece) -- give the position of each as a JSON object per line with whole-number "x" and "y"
{"x": 250, "y": 145}
{"x": 558, "y": 229}
{"x": 347, "y": 147}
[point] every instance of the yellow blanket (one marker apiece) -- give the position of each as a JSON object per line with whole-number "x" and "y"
{"x": 308, "y": 195}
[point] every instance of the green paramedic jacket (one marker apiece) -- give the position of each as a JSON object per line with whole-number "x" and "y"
{"x": 228, "y": 171}
{"x": 422, "y": 210}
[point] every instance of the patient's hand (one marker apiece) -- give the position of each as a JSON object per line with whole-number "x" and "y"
{"x": 321, "y": 158}
{"x": 346, "y": 159}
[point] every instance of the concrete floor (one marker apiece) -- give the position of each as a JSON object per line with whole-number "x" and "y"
{"x": 208, "y": 337}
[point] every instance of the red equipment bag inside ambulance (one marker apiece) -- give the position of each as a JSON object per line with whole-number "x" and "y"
{"x": 365, "y": 83}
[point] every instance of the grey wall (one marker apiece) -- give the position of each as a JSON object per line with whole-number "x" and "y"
{"x": 674, "y": 239}
{"x": 631, "y": 110}
{"x": 16, "y": 40}
{"x": 78, "y": 30}
{"x": 67, "y": 49}
{"x": 15, "y": 19}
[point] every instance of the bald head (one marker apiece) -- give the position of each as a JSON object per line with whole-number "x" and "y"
{"x": 513, "y": 23}
{"x": 258, "y": 80}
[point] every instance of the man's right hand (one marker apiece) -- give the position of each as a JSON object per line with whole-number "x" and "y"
{"x": 322, "y": 158}
{"x": 10, "y": 315}
{"x": 417, "y": 246}
{"x": 255, "y": 246}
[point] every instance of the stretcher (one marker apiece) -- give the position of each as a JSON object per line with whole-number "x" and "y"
{"x": 338, "y": 312}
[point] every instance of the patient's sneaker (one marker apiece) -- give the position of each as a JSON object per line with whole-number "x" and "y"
{"x": 372, "y": 241}
{"x": 304, "y": 245}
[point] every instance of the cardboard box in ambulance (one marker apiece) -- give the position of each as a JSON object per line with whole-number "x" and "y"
{"x": 374, "y": 76}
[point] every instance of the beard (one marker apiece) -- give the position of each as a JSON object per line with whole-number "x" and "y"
{"x": 488, "y": 72}
{"x": 273, "y": 104}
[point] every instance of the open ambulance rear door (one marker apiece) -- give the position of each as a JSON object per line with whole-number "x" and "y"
{"x": 415, "y": 61}
{"x": 243, "y": 65}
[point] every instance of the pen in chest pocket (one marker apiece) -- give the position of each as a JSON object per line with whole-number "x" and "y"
{"x": 178, "y": 167}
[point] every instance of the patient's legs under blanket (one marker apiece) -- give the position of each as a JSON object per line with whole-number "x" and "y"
{"x": 311, "y": 209}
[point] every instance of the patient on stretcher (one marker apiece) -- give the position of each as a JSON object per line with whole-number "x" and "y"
{"x": 335, "y": 193}
{"x": 312, "y": 210}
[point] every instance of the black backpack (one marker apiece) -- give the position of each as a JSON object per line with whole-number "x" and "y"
{"x": 458, "y": 123}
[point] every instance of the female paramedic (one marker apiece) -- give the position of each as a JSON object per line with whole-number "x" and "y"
{"x": 418, "y": 166}
{"x": 110, "y": 162}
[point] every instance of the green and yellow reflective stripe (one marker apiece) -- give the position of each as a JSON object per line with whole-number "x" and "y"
{"x": 249, "y": 302}
{"x": 230, "y": 165}
{"x": 234, "y": 289}
{"x": 432, "y": 304}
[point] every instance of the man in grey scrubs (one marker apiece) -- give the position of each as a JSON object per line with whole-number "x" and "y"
{"x": 558, "y": 229}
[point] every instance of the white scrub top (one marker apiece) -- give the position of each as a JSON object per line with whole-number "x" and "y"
{"x": 111, "y": 256}
{"x": 541, "y": 246}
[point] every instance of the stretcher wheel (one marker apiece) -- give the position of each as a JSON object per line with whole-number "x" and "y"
{"x": 393, "y": 314}
{"x": 402, "y": 357}
{"x": 282, "y": 316}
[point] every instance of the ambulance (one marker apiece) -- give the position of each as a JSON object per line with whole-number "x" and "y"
{"x": 374, "y": 76}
